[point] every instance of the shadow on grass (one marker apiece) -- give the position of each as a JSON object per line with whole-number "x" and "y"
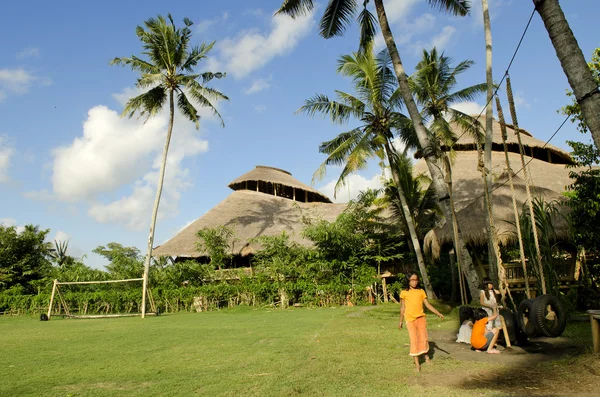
{"x": 545, "y": 368}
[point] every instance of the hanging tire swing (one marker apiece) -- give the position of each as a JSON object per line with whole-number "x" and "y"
{"x": 524, "y": 318}
{"x": 542, "y": 316}
{"x": 549, "y": 316}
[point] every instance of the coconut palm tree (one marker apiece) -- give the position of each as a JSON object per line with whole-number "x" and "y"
{"x": 571, "y": 58}
{"x": 376, "y": 105}
{"x": 337, "y": 17}
{"x": 489, "y": 134}
{"x": 169, "y": 72}
{"x": 433, "y": 84}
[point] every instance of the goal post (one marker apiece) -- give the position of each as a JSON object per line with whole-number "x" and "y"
{"x": 56, "y": 293}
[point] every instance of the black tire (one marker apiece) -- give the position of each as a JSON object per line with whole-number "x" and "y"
{"x": 549, "y": 316}
{"x": 511, "y": 324}
{"x": 43, "y": 317}
{"x": 525, "y": 318}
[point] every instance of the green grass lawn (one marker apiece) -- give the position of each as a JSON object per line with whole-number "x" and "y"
{"x": 325, "y": 351}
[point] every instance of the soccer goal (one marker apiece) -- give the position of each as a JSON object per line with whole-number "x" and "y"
{"x": 64, "y": 309}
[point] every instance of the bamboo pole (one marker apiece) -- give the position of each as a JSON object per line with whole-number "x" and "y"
{"x": 52, "y": 298}
{"x": 513, "y": 114}
{"x": 514, "y": 199}
{"x": 99, "y": 282}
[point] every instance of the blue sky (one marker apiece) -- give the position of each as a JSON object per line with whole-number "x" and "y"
{"x": 68, "y": 162}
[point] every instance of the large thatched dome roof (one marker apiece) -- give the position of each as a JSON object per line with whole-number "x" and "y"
{"x": 473, "y": 218}
{"x": 532, "y": 147}
{"x": 250, "y": 214}
{"x": 467, "y": 182}
{"x": 278, "y": 182}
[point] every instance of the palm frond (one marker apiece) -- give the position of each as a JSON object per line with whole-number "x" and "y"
{"x": 136, "y": 64}
{"x": 467, "y": 94}
{"x": 368, "y": 29}
{"x": 148, "y": 103}
{"x": 337, "y": 16}
{"x": 196, "y": 55}
{"x": 187, "y": 109}
{"x": 338, "y": 112}
{"x": 295, "y": 8}
{"x": 205, "y": 96}
{"x": 455, "y": 7}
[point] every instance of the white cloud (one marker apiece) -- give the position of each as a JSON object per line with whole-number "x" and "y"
{"x": 397, "y": 10}
{"x": 260, "y": 108}
{"x": 520, "y": 100}
{"x": 15, "y": 81}
{"x": 257, "y": 86}
{"x": 8, "y": 222}
{"x": 251, "y": 50}
{"x": 6, "y": 152}
{"x": 61, "y": 236}
{"x": 206, "y": 24}
{"x": 255, "y": 12}
{"x": 30, "y": 52}
{"x": 470, "y": 108}
{"x": 353, "y": 186}
{"x": 115, "y": 153}
{"x": 409, "y": 29}
{"x": 442, "y": 39}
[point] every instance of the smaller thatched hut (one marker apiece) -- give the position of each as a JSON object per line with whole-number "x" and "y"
{"x": 266, "y": 202}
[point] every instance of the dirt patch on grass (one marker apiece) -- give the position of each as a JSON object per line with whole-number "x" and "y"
{"x": 544, "y": 367}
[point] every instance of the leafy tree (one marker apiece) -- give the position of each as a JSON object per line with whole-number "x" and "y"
{"x": 59, "y": 255}
{"x": 24, "y": 263}
{"x": 125, "y": 262}
{"x": 169, "y": 71}
{"x": 584, "y": 193}
{"x": 218, "y": 243}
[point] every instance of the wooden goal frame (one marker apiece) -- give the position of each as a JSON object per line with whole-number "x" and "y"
{"x": 56, "y": 292}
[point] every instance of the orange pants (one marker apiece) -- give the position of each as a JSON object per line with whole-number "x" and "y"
{"x": 417, "y": 333}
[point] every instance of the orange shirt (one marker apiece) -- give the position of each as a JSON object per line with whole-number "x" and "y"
{"x": 478, "y": 339}
{"x": 413, "y": 303}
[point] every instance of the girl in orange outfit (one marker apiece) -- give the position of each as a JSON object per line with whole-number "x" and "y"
{"x": 413, "y": 299}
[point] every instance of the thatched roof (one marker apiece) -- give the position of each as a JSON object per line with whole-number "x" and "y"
{"x": 533, "y": 147}
{"x": 250, "y": 214}
{"x": 468, "y": 184}
{"x": 276, "y": 176}
{"x": 472, "y": 219}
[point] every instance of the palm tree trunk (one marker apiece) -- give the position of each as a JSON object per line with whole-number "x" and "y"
{"x": 489, "y": 139}
{"x": 437, "y": 178}
{"x": 411, "y": 225}
{"x": 573, "y": 63}
{"x": 159, "y": 188}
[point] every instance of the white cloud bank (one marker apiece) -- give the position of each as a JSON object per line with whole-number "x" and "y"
{"x": 6, "y": 153}
{"x": 114, "y": 154}
{"x": 354, "y": 184}
{"x": 252, "y": 49}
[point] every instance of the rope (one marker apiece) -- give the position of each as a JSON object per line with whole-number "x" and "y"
{"x": 513, "y": 114}
{"x": 514, "y": 200}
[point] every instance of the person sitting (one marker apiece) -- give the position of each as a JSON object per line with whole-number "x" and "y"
{"x": 481, "y": 337}
{"x": 466, "y": 327}
{"x": 488, "y": 300}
